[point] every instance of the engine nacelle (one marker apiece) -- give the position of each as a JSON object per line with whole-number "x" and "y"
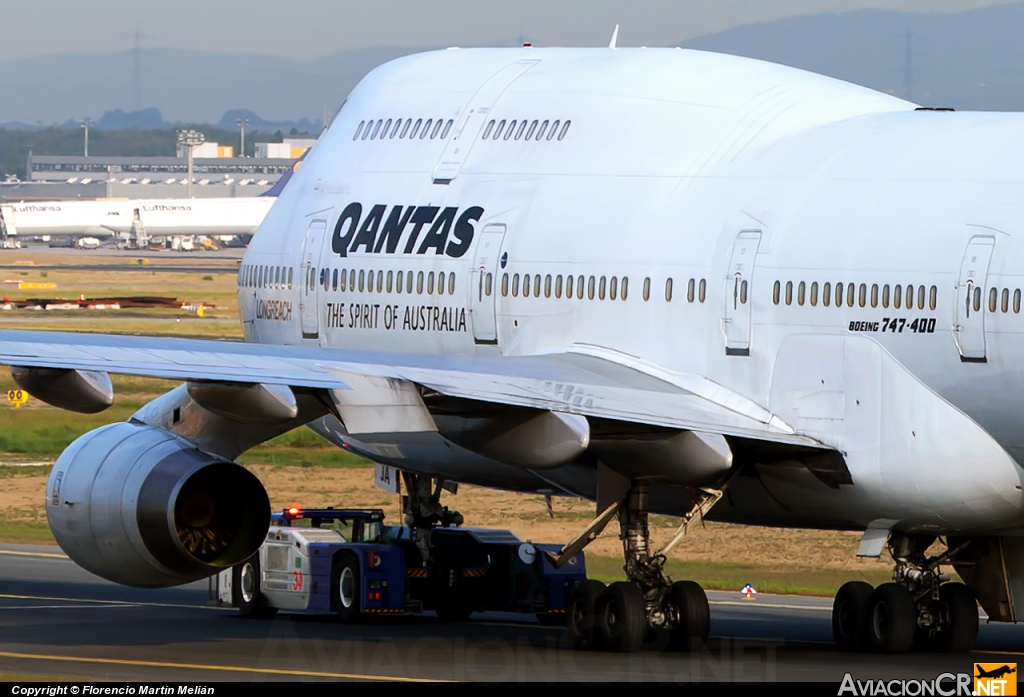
{"x": 140, "y": 506}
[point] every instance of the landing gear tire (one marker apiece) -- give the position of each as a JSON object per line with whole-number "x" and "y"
{"x": 622, "y": 617}
{"x": 891, "y": 619}
{"x": 582, "y": 632}
{"x": 850, "y": 615}
{"x": 346, "y": 588}
{"x": 691, "y": 602}
{"x": 246, "y": 583}
{"x": 961, "y": 608}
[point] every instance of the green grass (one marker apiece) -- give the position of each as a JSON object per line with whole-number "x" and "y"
{"x": 26, "y": 534}
{"x": 789, "y": 580}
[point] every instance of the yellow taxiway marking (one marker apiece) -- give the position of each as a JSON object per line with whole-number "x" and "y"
{"x": 46, "y": 555}
{"x": 128, "y": 603}
{"x": 223, "y": 669}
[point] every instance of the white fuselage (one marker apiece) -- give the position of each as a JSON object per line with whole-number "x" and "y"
{"x": 711, "y": 206}
{"x": 113, "y": 217}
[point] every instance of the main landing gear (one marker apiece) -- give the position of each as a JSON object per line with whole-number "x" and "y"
{"x": 423, "y": 510}
{"x": 920, "y": 609}
{"x": 618, "y": 617}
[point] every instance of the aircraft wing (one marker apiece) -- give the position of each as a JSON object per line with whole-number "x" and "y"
{"x": 582, "y": 380}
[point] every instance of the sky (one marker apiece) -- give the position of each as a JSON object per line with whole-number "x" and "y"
{"x": 303, "y": 29}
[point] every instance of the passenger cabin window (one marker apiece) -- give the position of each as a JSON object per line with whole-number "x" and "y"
{"x": 558, "y": 286}
{"x": 801, "y": 292}
{"x": 789, "y": 292}
{"x": 625, "y": 287}
{"x": 668, "y": 290}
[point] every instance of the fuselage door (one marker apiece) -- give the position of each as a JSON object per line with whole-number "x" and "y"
{"x": 310, "y": 280}
{"x": 738, "y": 298}
{"x": 484, "y": 284}
{"x": 970, "y": 305}
{"x": 472, "y": 119}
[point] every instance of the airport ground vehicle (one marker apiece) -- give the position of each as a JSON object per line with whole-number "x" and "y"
{"x": 347, "y": 561}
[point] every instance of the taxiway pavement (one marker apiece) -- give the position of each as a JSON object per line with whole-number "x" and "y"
{"x": 56, "y": 619}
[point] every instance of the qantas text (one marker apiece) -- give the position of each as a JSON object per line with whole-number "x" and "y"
{"x": 400, "y": 230}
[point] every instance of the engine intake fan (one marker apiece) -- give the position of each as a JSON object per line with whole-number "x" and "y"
{"x": 140, "y": 506}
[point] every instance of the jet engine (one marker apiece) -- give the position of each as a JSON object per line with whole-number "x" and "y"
{"x": 140, "y": 506}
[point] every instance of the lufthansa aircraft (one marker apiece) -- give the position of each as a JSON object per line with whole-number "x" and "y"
{"x": 664, "y": 280}
{"x": 139, "y": 219}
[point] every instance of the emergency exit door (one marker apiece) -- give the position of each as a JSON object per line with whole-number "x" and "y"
{"x": 970, "y": 305}
{"x": 483, "y": 290}
{"x": 736, "y": 318}
{"x": 473, "y": 117}
{"x": 311, "y": 246}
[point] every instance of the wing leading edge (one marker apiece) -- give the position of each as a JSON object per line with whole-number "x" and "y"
{"x": 581, "y": 380}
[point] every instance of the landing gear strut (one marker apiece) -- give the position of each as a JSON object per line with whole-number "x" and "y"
{"x": 618, "y": 617}
{"x": 920, "y": 608}
{"x": 423, "y": 510}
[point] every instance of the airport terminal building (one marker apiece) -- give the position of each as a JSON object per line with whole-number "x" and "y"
{"x": 216, "y": 174}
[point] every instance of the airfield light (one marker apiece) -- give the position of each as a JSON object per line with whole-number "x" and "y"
{"x": 190, "y": 139}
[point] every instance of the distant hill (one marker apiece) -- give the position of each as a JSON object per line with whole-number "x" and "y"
{"x": 186, "y": 86}
{"x": 970, "y": 60}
